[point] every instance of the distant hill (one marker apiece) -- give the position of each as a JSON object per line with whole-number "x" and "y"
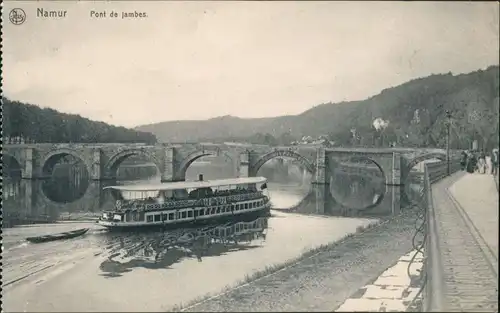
{"x": 24, "y": 122}
{"x": 415, "y": 112}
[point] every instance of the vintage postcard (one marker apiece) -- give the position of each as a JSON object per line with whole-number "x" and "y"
{"x": 250, "y": 156}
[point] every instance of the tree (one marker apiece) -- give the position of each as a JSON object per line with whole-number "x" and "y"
{"x": 47, "y": 125}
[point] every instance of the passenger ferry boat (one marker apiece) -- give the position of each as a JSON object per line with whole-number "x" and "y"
{"x": 194, "y": 202}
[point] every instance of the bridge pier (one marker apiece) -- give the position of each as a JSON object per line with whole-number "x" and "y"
{"x": 395, "y": 183}
{"x": 320, "y": 173}
{"x": 27, "y": 171}
{"x": 168, "y": 169}
{"x": 96, "y": 169}
{"x": 243, "y": 165}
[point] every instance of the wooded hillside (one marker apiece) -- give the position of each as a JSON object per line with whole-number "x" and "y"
{"x": 23, "y": 122}
{"x": 414, "y": 111}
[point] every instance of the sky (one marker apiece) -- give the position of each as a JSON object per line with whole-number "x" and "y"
{"x": 198, "y": 60}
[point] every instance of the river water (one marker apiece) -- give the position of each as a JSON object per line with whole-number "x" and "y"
{"x": 155, "y": 271}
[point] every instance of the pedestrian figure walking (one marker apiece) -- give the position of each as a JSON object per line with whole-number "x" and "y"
{"x": 494, "y": 161}
{"x": 463, "y": 160}
{"x": 471, "y": 162}
{"x": 481, "y": 162}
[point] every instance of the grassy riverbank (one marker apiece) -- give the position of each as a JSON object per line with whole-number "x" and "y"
{"x": 320, "y": 279}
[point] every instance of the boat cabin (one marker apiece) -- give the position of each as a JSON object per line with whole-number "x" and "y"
{"x": 186, "y": 201}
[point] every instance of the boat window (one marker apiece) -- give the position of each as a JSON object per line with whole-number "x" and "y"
{"x": 212, "y": 211}
{"x": 184, "y": 214}
{"x": 171, "y": 216}
{"x": 250, "y": 205}
{"x": 237, "y": 207}
{"x": 196, "y": 213}
{"x": 202, "y": 212}
{"x": 164, "y": 216}
{"x": 149, "y": 218}
{"x": 246, "y": 205}
{"x": 190, "y": 213}
{"x": 157, "y": 217}
{"x": 218, "y": 210}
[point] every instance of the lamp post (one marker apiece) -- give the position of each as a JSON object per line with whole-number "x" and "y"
{"x": 448, "y": 120}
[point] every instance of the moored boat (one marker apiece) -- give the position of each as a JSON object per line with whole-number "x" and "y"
{"x": 58, "y": 236}
{"x": 180, "y": 203}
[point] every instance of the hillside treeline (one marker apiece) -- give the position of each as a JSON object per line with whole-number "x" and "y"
{"x": 415, "y": 113}
{"x": 411, "y": 115}
{"x": 31, "y": 124}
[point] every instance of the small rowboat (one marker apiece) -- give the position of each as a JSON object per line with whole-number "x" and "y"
{"x": 59, "y": 236}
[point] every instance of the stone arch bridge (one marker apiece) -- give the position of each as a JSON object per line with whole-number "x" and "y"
{"x": 172, "y": 160}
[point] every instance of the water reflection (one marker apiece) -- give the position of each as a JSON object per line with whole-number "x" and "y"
{"x": 160, "y": 250}
{"x": 354, "y": 190}
{"x": 65, "y": 189}
{"x": 28, "y": 202}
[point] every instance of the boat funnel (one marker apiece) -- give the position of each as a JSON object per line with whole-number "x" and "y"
{"x": 200, "y": 177}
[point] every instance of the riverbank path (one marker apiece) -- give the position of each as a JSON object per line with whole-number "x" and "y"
{"x": 466, "y": 214}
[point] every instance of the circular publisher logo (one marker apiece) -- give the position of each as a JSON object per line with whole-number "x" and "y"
{"x": 17, "y": 16}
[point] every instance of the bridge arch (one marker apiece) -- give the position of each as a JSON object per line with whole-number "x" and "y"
{"x": 308, "y": 165}
{"x": 363, "y": 159}
{"x": 111, "y": 167}
{"x": 11, "y": 164}
{"x": 52, "y": 157}
{"x": 193, "y": 156}
{"x": 406, "y": 173}
{"x": 423, "y": 157}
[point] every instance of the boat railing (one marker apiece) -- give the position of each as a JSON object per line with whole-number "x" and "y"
{"x": 179, "y": 204}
